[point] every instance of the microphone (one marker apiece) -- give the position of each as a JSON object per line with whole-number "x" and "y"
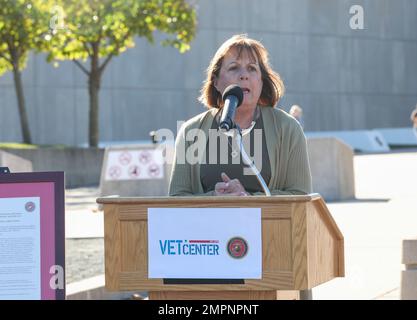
{"x": 232, "y": 97}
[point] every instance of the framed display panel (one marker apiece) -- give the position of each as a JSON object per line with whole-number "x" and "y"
{"x": 32, "y": 261}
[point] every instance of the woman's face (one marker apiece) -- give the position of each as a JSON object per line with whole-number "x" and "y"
{"x": 243, "y": 71}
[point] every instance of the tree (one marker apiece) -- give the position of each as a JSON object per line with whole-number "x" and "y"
{"x": 99, "y": 30}
{"x": 22, "y": 27}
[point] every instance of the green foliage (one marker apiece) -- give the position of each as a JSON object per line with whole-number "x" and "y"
{"x": 82, "y": 29}
{"x": 17, "y": 145}
{"x": 97, "y": 29}
{"x": 107, "y": 27}
{"x": 23, "y": 25}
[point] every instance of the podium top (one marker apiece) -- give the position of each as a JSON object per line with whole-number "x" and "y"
{"x": 199, "y": 199}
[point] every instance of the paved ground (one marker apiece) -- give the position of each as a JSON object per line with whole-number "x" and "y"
{"x": 84, "y": 258}
{"x": 374, "y": 225}
{"x": 84, "y": 244}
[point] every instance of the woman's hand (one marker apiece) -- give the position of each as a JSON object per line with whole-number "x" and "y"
{"x": 229, "y": 187}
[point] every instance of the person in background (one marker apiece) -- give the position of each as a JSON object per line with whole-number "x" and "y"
{"x": 297, "y": 112}
{"x": 413, "y": 118}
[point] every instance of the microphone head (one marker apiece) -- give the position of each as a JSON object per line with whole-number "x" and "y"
{"x": 233, "y": 90}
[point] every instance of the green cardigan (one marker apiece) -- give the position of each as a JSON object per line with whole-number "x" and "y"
{"x": 287, "y": 150}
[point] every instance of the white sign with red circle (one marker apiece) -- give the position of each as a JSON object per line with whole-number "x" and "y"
{"x": 135, "y": 165}
{"x": 205, "y": 243}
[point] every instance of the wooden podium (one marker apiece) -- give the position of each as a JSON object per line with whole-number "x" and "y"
{"x": 302, "y": 246}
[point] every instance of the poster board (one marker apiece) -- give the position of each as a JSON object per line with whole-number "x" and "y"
{"x": 33, "y": 248}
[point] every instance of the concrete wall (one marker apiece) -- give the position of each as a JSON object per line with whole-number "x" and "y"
{"x": 409, "y": 275}
{"x": 332, "y": 169}
{"x": 82, "y": 167}
{"x": 344, "y": 79}
{"x": 14, "y": 163}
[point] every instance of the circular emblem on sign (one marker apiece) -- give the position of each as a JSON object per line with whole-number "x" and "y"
{"x": 145, "y": 157}
{"x": 115, "y": 172}
{"x": 134, "y": 171}
{"x": 153, "y": 170}
{"x": 125, "y": 158}
{"x": 237, "y": 247}
{"x": 30, "y": 206}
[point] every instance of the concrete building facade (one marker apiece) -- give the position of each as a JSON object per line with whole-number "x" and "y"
{"x": 344, "y": 79}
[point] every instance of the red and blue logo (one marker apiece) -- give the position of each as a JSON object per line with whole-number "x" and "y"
{"x": 237, "y": 247}
{"x": 189, "y": 247}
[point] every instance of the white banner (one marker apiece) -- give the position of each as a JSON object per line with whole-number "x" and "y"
{"x": 205, "y": 243}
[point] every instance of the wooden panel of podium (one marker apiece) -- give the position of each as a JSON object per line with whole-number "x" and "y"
{"x": 302, "y": 246}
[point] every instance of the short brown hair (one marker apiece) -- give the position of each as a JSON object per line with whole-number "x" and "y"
{"x": 273, "y": 87}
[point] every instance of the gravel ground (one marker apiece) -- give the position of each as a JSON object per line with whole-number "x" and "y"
{"x": 84, "y": 258}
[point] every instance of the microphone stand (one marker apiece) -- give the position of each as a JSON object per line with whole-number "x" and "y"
{"x": 248, "y": 162}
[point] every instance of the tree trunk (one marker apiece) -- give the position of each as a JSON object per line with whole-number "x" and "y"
{"x": 24, "y": 124}
{"x": 93, "y": 88}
